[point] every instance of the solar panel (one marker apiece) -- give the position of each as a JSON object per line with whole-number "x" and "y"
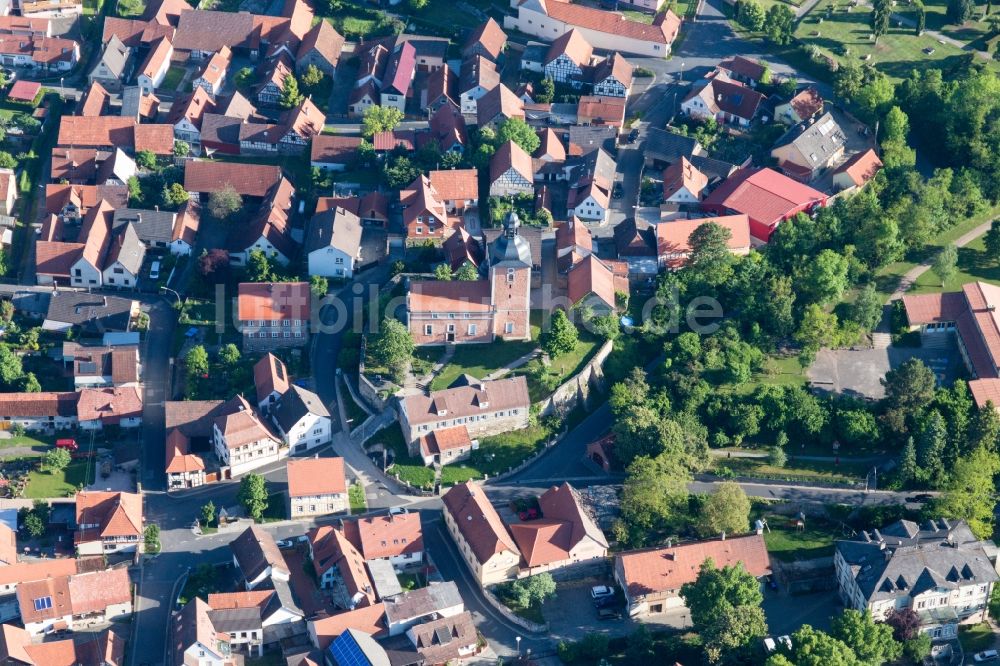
{"x": 43, "y": 603}
{"x": 346, "y": 652}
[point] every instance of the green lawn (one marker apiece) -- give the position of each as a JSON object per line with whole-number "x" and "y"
{"x": 778, "y": 370}
{"x": 843, "y": 34}
{"x": 410, "y": 470}
{"x": 972, "y": 266}
{"x": 276, "y": 509}
{"x": 787, "y": 543}
{"x": 975, "y": 32}
{"x": 976, "y": 637}
{"x": 356, "y": 495}
{"x": 38, "y": 446}
{"x": 452, "y": 475}
{"x": 476, "y": 360}
{"x": 62, "y": 483}
{"x": 498, "y": 453}
{"x": 796, "y": 470}
{"x": 173, "y": 78}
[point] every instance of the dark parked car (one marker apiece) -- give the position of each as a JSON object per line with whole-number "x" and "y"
{"x": 633, "y": 136}
{"x": 609, "y": 614}
{"x": 616, "y": 191}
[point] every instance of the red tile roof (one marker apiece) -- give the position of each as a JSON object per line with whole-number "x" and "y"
{"x": 455, "y": 184}
{"x": 179, "y": 458}
{"x": 332, "y": 148}
{"x": 274, "y": 301}
{"x": 157, "y": 138}
{"x": 94, "y": 592}
{"x": 683, "y": 174}
{"x": 110, "y": 405}
{"x": 332, "y": 548}
{"x": 764, "y": 194}
{"x": 591, "y": 276}
{"x": 672, "y": 237}
{"x": 316, "y": 476}
{"x": 490, "y": 36}
{"x": 807, "y": 103}
{"x": 368, "y": 619}
{"x": 662, "y": 31}
{"x": 386, "y": 536}
{"x": 747, "y": 67}
{"x": 564, "y": 524}
{"x": 13, "y": 574}
{"x": 24, "y": 90}
{"x": 662, "y": 569}
{"x": 934, "y": 308}
{"x": 269, "y": 376}
{"x": 478, "y": 522}
{"x": 116, "y": 514}
{"x": 451, "y": 296}
{"x": 573, "y": 45}
{"x": 985, "y": 390}
{"x": 95, "y": 99}
{"x": 252, "y": 180}
{"x": 511, "y": 156}
{"x": 445, "y": 439}
{"x": 99, "y": 132}
{"x": 861, "y": 167}
{"x": 601, "y": 110}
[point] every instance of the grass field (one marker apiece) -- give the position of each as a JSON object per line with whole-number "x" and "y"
{"x": 788, "y": 544}
{"x": 781, "y": 371}
{"x": 38, "y": 446}
{"x": 976, "y": 637}
{"x": 811, "y": 471}
{"x": 477, "y": 360}
{"x": 410, "y": 470}
{"x": 62, "y": 483}
{"x": 173, "y": 78}
{"x": 844, "y": 34}
{"x": 498, "y": 453}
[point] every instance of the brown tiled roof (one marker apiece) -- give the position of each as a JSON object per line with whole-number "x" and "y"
{"x": 100, "y": 132}
{"x": 386, "y": 536}
{"x": 316, "y": 476}
{"x": 985, "y": 390}
{"x": 252, "y": 180}
{"x": 158, "y": 55}
{"x": 729, "y": 97}
{"x": 13, "y": 641}
{"x": 94, "y": 100}
{"x": 94, "y": 592}
{"x": 478, "y": 71}
{"x": 215, "y": 68}
{"x": 478, "y": 521}
{"x": 672, "y": 238}
{"x": 748, "y": 67}
{"x": 934, "y": 308}
{"x": 334, "y": 148}
{"x": 420, "y": 198}
{"x": 563, "y": 526}
{"x": 156, "y": 138}
{"x": 661, "y": 569}
{"x": 273, "y": 301}
{"x": 124, "y": 366}
{"x": 510, "y": 155}
{"x": 461, "y": 247}
{"x": 807, "y": 103}
{"x": 37, "y": 404}
{"x": 242, "y": 599}
{"x": 56, "y": 258}
{"x": 115, "y": 513}
{"x": 491, "y": 36}
{"x": 367, "y": 619}
{"x": 591, "y": 276}
{"x": 454, "y": 184}
{"x": 445, "y": 439}
{"x": 209, "y": 31}
{"x": 57, "y": 589}
{"x": 501, "y": 100}
{"x": 603, "y": 110}
{"x": 186, "y": 222}
{"x": 460, "y": 401}
{"x": 73, "y": 164}
{"x": 373, "y": 205}
{"x": 37, "y": 570}
{"x": 332, "y": 548}
{"x": 179, "y": 458}
{"x": 270, "y": 375}
{"x": 683, "y": 174}
{"x": 255, "y": 550}
{"x": 85, "y": 196}
{"x": 662, "y": 31}
{"x": 110, "y": 405}
{"x": 240, "y": 425}
{"x": 448, "y": 126}
{"x": 445, "y": 639}
{"x": 325, "y": 40}
{"x": 193, "y": 417}
{"x": 615, "y": 65}
{"x": 573, "y": 45}
{"x": 192, "y": 107}
{"x": 449, "y": 296}
{"x": 551, "y": 148}
{"x": 862, "y": 167}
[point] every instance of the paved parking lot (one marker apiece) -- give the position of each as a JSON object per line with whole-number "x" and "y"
{"x": 857, "y": 372}
{"x": 786, "y": 613}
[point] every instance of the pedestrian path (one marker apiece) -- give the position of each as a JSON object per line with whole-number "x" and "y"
{"x": 513, "y": 365}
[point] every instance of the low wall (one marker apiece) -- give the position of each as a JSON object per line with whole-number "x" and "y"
{"x": 578, "y": 388}
{"x": 596, "y": 569}
{"x": 510, "y": 615}
{"x": 370, "y": 394}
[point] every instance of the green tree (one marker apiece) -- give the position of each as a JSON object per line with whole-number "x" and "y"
{"x": 539, "y": 587}
{"x": 866, "y": 311}
{"x": 918, "y": 648}
{"x": 182, "y": 148}
{"x": 946, "y": 263}
{"x": 710, "y": 261}
{"x": 224, "y": 203}
{"x": 34, "y": 525}
{"x": 991, "y": 239}
{"x": 654, "y": 495}
{"x": 174, "y": 195}
{"x": 823, "y": 279}
{"x": 134, "y": 190}
{"x": 151, "y": 538}
{"x": 750, "y": 15}
{"x": 908, "y": 469}
{"x": 30, "y": 383}
{"x": 399, "y": 171}
{"x": 726, "y": 510}
{"x": 253, "y": 495}
{"x": 442, "y": 272}
{"x": 960, "y": 11}
{"x": 318, "y": 285}
{"x": 871, "y": 641}
{"x": 208, "y": 513}
{"x": 56, "y": 460}
{"x": 10, "y": 366}
{"x": 881, "y": 13}
{"x": 811, "y": 647}
{"x": 731, "y": 635}
{"x": 817, "y": 329}
{"x": 146, "y": 159}
{"x": 715, "y": 591}
{"x": 896, "y": 126}
{"x": 393, "y": 347}
{"x": 196, "y": 361}
{"x": 779, "y": 24}
{"x": 290, "y": 97}
{"x": 909, "y": 388}
{"x": 777, "y": 457}
{"x": 6, "y": 310}
{"x": 312, "y": 78}
{"x": 467, "y": 272}
{"x": 520, "y": 132}
{"x": 545, "y": 91}
{"x": 918, "y": 29}
{"x": 969, "y": 494}
{"x": 417, "y": 5}
{"x": 380, "y": 119}
{"x": 244, "y": 78}
{"x": 259, "y": 267}
{"x": 229, "y": 354}
{"x": 932, "y": 438}
{"x": 560, "y": 337}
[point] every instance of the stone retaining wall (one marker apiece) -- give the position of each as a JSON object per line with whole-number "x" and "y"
{"x": 527, "y": 625}
{"x": 578, "y": 388}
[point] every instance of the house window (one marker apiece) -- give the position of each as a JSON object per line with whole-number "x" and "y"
{"x": 428, "y": 329}
{"x": 473, "y": 329}
{"x": 509, "y": 327}
{"x": 451, "y": 328}
{"x": 510, "y": 275}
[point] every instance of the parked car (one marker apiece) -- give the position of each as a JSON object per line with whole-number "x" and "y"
{"x": 609, "y": 614}
{"x": 616, "y": 191}
{"x": 601, "y": 592}
{"x": 771, "y": 583}
{"x": 68, "y": 444}
{"x": 154, "y": 271}
{"x": 986, "y": 655}
{"x": 633, "y": 136}
{"x": 286, "y": 543}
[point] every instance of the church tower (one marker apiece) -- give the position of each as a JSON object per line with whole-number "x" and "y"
{"x": 510, "y": 282}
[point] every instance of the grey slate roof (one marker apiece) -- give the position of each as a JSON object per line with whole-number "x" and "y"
{"x": 510, "y": 249}
{"x": 236, "y": 619}
{"x": 127, "y": 249}
{"x": 422, "y": 602}
{"x": 255, "y": 550}
{"x": 115, "y": 56}
{"x": 664, "y": 146}
{"x": 592, "y": 138}
{"x": 817, "y": 141}
{"x": 152, "y": 226}
{"x": 337, "y": 228}
{"x": 716, "y": 170}
{"x": 295, "y": 403}
{"x": 597, "y": 165}
{"x": 533, "y": 236}
{"x": 90, "y": 311}
{"x": 906, "y": 559}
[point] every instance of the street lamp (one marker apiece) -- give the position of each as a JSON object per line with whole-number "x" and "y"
{"x": 682, "y": 72}
{"x": 518, "y": 639}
